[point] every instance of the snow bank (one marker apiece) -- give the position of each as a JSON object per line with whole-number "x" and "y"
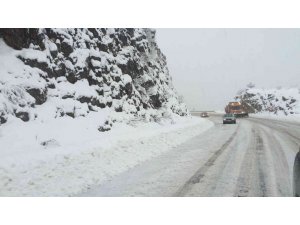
{"x": 65, "y": 156}
{"x": 267, "y": 115}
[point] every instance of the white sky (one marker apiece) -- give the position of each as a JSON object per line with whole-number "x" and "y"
{"x": 209, "y": 66}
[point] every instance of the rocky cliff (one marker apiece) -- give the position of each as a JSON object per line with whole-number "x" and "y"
{"x": 72, "y": 72}
{"x": 284, "y": 101}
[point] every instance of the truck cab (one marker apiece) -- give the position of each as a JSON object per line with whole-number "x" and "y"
{"x": 237, "y": 109}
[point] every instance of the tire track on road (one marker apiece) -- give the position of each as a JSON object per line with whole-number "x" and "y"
{"x": 280, "y": 127}
{"x": 243, "y": 182}
{"x": 280, "y": 165}
{"x": 196, "y": 178}
{"x": 252, "y": 174}
{"x": 260, "y": 156}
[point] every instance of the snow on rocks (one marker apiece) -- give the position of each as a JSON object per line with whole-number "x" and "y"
{"x": 118, "y": 68}
{"x": 280, "y": 101}
{"x": 78, "y": 106}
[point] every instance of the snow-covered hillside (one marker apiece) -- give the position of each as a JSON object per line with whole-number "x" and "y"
{"x": 72, "y": 72}
{"x": 280, "y": 101}
{"x": 78, "y": 106}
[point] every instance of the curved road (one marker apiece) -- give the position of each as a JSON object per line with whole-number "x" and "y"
{"x": 252, "y": 158}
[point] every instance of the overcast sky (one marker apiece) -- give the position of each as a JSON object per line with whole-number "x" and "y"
{"x": 209, "y": 66}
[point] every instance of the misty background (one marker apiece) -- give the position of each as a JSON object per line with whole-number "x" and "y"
{"x": 209, "y": 66}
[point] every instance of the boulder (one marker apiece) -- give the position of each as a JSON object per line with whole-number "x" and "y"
{"x": 155, "y": 101}
{"x": 40, "y": 95}
{"x": 66, "y": 48}
{"x": 2, "y": 119}
{"x": 23, "y": 116}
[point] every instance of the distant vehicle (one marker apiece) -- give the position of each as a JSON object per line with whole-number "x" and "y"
{"x": 296, "y": 175}
{"x": 204, "y": 114}
{"x": 237, "y": 109}
{"x": 229, "y": 118}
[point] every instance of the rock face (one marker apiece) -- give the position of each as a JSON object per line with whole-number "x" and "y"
{"x": 83, "y": 70}
{"x": 276, "y": 101}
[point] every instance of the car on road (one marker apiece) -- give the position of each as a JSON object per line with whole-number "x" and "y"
{"x": 229, "y": 118}
{"x": 296, "y": 180}
{"x": 204, "y": 114}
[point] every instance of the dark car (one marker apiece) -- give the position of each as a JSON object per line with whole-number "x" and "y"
{"x": 296, "y": 180}
{"x": 229, "y": 118}
{"x": 204, "y": 114}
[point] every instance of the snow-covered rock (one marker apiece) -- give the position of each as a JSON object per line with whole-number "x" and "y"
{"x": 279, "y": 101}
{"x": 60, "y": 87}
{"x": 84, "y": 70}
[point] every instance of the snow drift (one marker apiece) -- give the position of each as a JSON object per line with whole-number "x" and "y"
{"x": 39, "y": 160}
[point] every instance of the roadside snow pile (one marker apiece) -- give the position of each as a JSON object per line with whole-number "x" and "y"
{"x": 63, "y": 156}
{"x": 283, "y": 101}
{"x": 268, "y": 115}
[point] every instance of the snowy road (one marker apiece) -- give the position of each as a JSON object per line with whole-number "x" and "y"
{"x": 253, "y": 158}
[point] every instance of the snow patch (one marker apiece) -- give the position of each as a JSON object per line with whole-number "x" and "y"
{"x": 62, "y": 157}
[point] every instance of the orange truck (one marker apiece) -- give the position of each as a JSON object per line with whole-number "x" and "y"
{"x": 237, "y": 109}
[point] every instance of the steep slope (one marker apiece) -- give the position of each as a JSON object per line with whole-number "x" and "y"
{"x": 73, "y": 72}
{"x": 62, "y": 89}
{"x": 283, "y": 101}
